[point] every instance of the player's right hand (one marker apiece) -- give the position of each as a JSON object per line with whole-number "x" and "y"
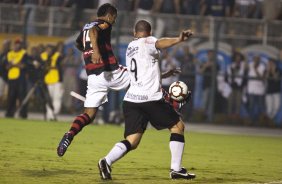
{"x": 96, "y": 58}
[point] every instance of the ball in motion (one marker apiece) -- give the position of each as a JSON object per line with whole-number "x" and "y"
{"x": 178, "y": 91}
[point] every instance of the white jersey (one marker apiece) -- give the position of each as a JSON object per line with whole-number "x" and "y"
{"x": 145, "y": 77}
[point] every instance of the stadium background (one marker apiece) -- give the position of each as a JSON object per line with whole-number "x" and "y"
{"x": 223, "y": 34}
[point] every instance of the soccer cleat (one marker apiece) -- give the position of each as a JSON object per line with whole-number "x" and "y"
{"x": 64, "y": 144}
{"x": 182, "y": 174}
{"x": 105, "y": 169}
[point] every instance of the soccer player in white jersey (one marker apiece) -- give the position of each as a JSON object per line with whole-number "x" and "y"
{"x": 143, "y": 101}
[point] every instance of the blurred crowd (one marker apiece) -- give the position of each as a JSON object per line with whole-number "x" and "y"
{"x": 258, "y": 9}
{"x": 246, "y": 87}
{"x": 65, "y": 17}
{"x": 43, "y": 76}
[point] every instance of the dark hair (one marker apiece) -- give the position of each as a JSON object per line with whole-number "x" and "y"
{"x": 105, "y": 9}
{"x": 143, "y": 26}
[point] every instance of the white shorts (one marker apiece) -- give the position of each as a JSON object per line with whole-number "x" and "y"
{"x": 99, "y": 85}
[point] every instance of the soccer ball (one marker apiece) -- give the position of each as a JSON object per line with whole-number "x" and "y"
{"x": 178, "y": 91}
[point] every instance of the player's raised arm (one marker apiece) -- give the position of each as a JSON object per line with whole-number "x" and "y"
{"x": 96, "y": 56}
{"x": 164, "y": 43}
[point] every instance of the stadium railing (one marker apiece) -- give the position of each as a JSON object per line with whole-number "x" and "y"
{"x": 54, "y": 21}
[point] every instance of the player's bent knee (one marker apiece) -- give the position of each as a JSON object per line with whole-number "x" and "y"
{"x": 182, "y": 125}
{"x": 127, "y": 145}
{"x": 178, "y": 128}
{"x": 91, "y": 112}
{"x": 134, "y": 140}
{"x": 134, "y": 144}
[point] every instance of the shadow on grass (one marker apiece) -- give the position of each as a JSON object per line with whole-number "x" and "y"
{"x": 47, "y": 173}
{"x": 218, "y": 180}
{"x": 140, "y": 175}
{"x": 108, "y": 181}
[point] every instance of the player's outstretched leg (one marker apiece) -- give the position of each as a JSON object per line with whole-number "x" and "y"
{"x": 77, "y": 125}
{"x": 105, "y": 169}
{"x": 182, "y": 174}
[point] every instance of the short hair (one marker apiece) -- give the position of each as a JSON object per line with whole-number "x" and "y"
{"x": 105, "y": 9}
{"x": 143, "y": 26}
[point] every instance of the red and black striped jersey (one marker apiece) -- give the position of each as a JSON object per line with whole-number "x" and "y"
{"x": 109, "y": 61}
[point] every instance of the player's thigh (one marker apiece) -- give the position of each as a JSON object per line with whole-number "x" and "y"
{"x": 161, "y": 115}
{"x": 135, "y": 120}
{"x": 97, "y": 91}
{"x": 178, "y": 128}
{"x": 120, "y": 79}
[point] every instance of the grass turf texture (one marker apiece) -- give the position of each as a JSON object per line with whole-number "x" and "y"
{"x": 28, "y": 155}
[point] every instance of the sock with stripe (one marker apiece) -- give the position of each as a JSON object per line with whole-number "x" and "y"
{"x": 79, "y": 122}
{"x": 176, "y": 146}
{"x": 118, "y": 151}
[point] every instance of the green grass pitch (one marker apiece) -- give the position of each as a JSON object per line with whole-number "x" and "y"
{"x": 28, "y": 155}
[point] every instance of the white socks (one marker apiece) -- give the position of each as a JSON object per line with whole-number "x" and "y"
{"x": 118, "y": 151}
{"x": 176, "y": 149}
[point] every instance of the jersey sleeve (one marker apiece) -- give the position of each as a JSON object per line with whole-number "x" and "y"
{"x": 151, "y": 45}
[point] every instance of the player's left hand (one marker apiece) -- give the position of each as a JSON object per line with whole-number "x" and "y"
{"x": 171, "y": 72}
{"x": 184, "y": 35}
{"x": 174, "y": 71}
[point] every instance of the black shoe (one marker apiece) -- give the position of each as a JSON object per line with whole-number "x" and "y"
{"x": 64, "y": 144}
{"x": 182, "y": 174}
{"x": 105, "y": 169}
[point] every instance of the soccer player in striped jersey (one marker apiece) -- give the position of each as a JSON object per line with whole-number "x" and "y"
{"x": 103, "y": 70}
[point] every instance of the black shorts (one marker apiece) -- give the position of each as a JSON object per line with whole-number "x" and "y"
{"x": 137, "y": 115}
